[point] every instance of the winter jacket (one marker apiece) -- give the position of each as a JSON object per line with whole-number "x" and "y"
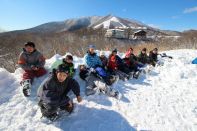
{"x": 104, "y": 61}
{"x": 130, "y": 59}
{"x": 127, "y": 54}
{"x": 112, "y": 64}
{"x": 115, "y": 64}
{"x": 152, "y": 56}
{"x": 27, "y": 60}
{"x": 143, "y": 58}
{"x": 92, "y": 60}
{"x": 71, "y": 68}
{"x": 54, "y": 93}
{"x": 194, "y": 61}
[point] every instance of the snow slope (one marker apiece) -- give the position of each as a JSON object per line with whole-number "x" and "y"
{"x": 163, "y": 100}
{"x": 106, "y": 24}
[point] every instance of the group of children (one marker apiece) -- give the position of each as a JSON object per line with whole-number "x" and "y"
{"x": 99, "y": 73}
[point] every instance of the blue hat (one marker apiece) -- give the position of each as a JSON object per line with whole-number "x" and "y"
{"x": 92, "y": 46}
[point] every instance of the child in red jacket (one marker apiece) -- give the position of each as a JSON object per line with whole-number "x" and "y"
{"x": 113, "y": 68}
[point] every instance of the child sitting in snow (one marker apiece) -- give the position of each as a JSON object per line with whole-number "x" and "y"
{"x": 53, "y": 93}
{"x": 104, "y": 59}
{"x": 132, "y": 63}
{"x": 117, "y": 67}
{"x": 153, "y": 57}
{"x": 68, "y": 61}
{"x": 94, "y": 84}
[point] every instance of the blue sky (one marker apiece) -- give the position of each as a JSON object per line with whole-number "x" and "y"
{"x": 166, "y": 14}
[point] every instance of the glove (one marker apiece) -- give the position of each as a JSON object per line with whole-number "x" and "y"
{"x": 33, "y": 67}
{"x": 79, "y": 99}
{"x": 92, "y": 70}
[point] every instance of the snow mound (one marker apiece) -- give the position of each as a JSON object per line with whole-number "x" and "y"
{"x": 164, "y": 99}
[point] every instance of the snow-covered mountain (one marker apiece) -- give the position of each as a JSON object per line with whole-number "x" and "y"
{"x": 95, "y": 22}
{"x": 163, "y": 100}
{"x": 70, "y": 24}
{"x": 111, "y": 21}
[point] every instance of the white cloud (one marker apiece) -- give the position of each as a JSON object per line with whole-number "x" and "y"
{"x": 190, "y": 10}
{"x": 154, "y": 26}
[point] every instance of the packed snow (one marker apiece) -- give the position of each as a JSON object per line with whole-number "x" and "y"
{"x": 165, "y": 99}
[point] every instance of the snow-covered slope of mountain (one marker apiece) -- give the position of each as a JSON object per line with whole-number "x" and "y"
{"x": 70, "y": 24}
{"x": 163, "y": 100}
{"x": 95, "y": 22}
{"x": 111, "y": 21}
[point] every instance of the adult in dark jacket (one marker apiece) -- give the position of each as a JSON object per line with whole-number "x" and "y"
{"x": 153, "y": 56}
{"x": 32, "y": 62}
{"x": 143, "y": 57}
{"x": 53, "y": 92}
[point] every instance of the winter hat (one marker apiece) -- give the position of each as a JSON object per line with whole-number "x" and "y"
{"x": 29, "y": 43}
{"x": 69, "y": 57}
{"x": 63, "y": 68}
{"x": 115, "y": 50}
{"x": 144, "y": 49}
{"x": 102, "y": 53}
{"x": 92, "y": 46}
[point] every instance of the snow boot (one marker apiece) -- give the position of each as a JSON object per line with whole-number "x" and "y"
{"x": 136, "y": 74}
{"x": 26, "y": 85}
{"x": 70, "y": 109}
{"x": 53, "y": 117}
{"x": 114, "y": 78}
{"x": 113, "y": 93}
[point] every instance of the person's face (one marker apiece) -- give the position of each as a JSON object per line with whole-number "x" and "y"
{"x": 91, "y": 50}
{"x": 131, "y": 51}
{"x": 61, "y": 76}
{"x": 154, "y": 51}
{"x": 82, "y": 67}
{"x": 114, "y": 53}
{"x": 69, "y": 61}
{"x": 102, "y": 56}
{"x": 143, "y": 52}
{"x": 29, "y": 49}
